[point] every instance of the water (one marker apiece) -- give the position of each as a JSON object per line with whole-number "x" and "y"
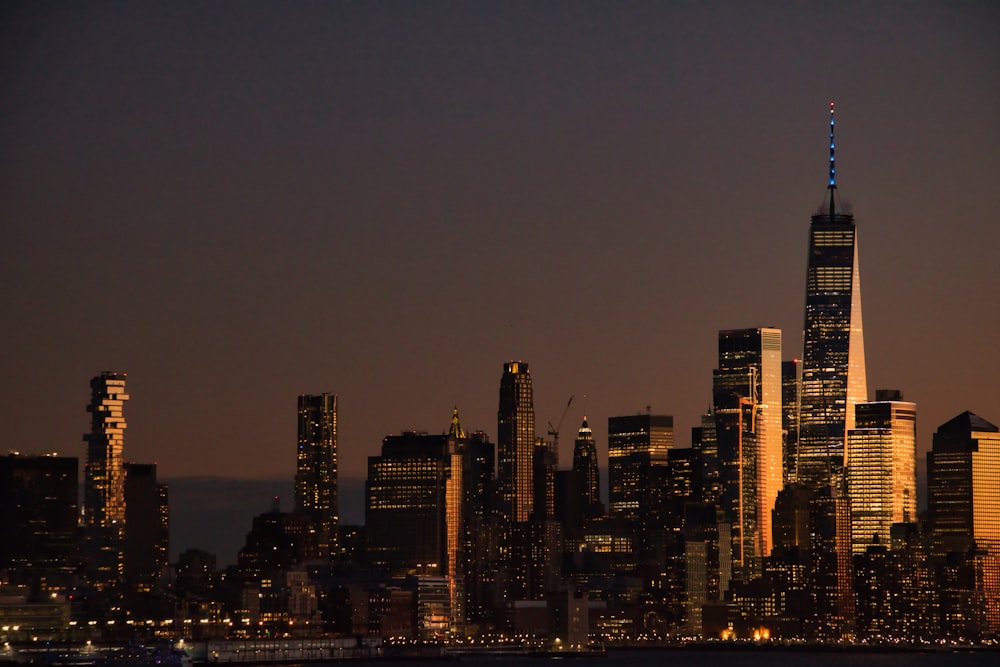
{"x": 749, "y": 657}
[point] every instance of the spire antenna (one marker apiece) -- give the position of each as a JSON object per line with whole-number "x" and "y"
{"x": 833, "y": 167}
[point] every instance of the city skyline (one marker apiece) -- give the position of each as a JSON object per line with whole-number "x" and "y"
{"x": 516, "y": 216}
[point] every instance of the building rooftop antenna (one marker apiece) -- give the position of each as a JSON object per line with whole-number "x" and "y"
{"x": 833, "y": 167}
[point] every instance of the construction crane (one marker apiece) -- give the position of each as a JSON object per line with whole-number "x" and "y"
{"x": 554, "y": 430}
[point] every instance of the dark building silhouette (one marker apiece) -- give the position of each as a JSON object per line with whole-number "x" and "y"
{"x": 147, "y": 527}
{"x": 277, "y": 542}
{"x": 481, "y": 526}
{"x": 585, "y": 464}
{"x": 791, "y": 382}
{"x": 197, "y": 574}
{"x": 833, "y": 362}
{"x": 39, "y": 543}
{"x": 790, "y": 523}
{"x": 316, "y": 497}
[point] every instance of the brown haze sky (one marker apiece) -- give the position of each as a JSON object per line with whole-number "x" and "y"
{"x": 239, "y": 202}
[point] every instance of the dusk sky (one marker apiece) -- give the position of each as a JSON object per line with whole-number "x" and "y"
{"x": 239, "y": 202}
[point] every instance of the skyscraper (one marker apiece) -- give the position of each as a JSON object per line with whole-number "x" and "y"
{"x": 585, "y": 464}
{"x": 636, "y": 443}
{"x": 406, "y": 508}
{"x": 963, "y": 479}
{"x": 316, "y": 474}
{"x": 704, "y": 440}
{"x": 963, "y": 483}
{"x": 829, "y": 574}
{"x": 791, "y": 371}
{"x": 515, "y": 442}
{"x": 38, "y": 520}
{"x": 833, "y": 363}
{"x": 147, "y": 526}
{"x": 481, "y": 531}
{"x": 881, "y": 469}
{"x": 747, "y": 393}
{"x": 104, "y": 480}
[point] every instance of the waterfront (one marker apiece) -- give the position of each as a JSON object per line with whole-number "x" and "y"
{"x": 702, "y": 655}
{"x": 745, "y": 657}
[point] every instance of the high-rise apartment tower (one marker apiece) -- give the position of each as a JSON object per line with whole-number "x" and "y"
{"x": 316, "y": 496}
{"x": 104, "y": 480}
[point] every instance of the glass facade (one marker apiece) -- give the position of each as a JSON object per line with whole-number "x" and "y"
{"x": 104, "y": 492}
{"x": 963, "y": 483}
{"x": 833, "y": 363}
{"x": 515, "y": 442}
{"x": 747, "y": 396}
{"x": 406, "y": 503}
{"x": 316, "y": 496}
{"x": 881, "y": 470}
{"x": 104, "y": 481}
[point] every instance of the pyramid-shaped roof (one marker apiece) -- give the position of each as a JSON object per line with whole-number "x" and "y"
{"x": 965, "y": 423}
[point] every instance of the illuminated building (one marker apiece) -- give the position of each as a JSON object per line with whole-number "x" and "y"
{"x": 881, "y": 469}
{"x": 610, "y": 547}
{"x": 433, "y": 611}
{"x": 536, "y": 569}
{"x": 963, "y": 481}
{"x": 833, "y": 363}
{"x": 414, "y": 517}
{"x": 405, "y": 511}
{"x": 38, "y": 520}
{"x": 791, "y": 380}
{"x": 585, "y": 464}
{"x": 316, "y": 473}
{"x": 705, "y": 442}
{"x": 147, "y": 526}
{"x": 636, "y": 443}
{"x": 830, "y": 577}
{"x": 482, "y": 534}
{"x": 104, "y": 480}
{"x": 747, "y": 396}
{"x": 876, "y": 591}
{"x": 515, "y": 442}
{"x": 455, "y": 537}
{"x": 702, "y": 576}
